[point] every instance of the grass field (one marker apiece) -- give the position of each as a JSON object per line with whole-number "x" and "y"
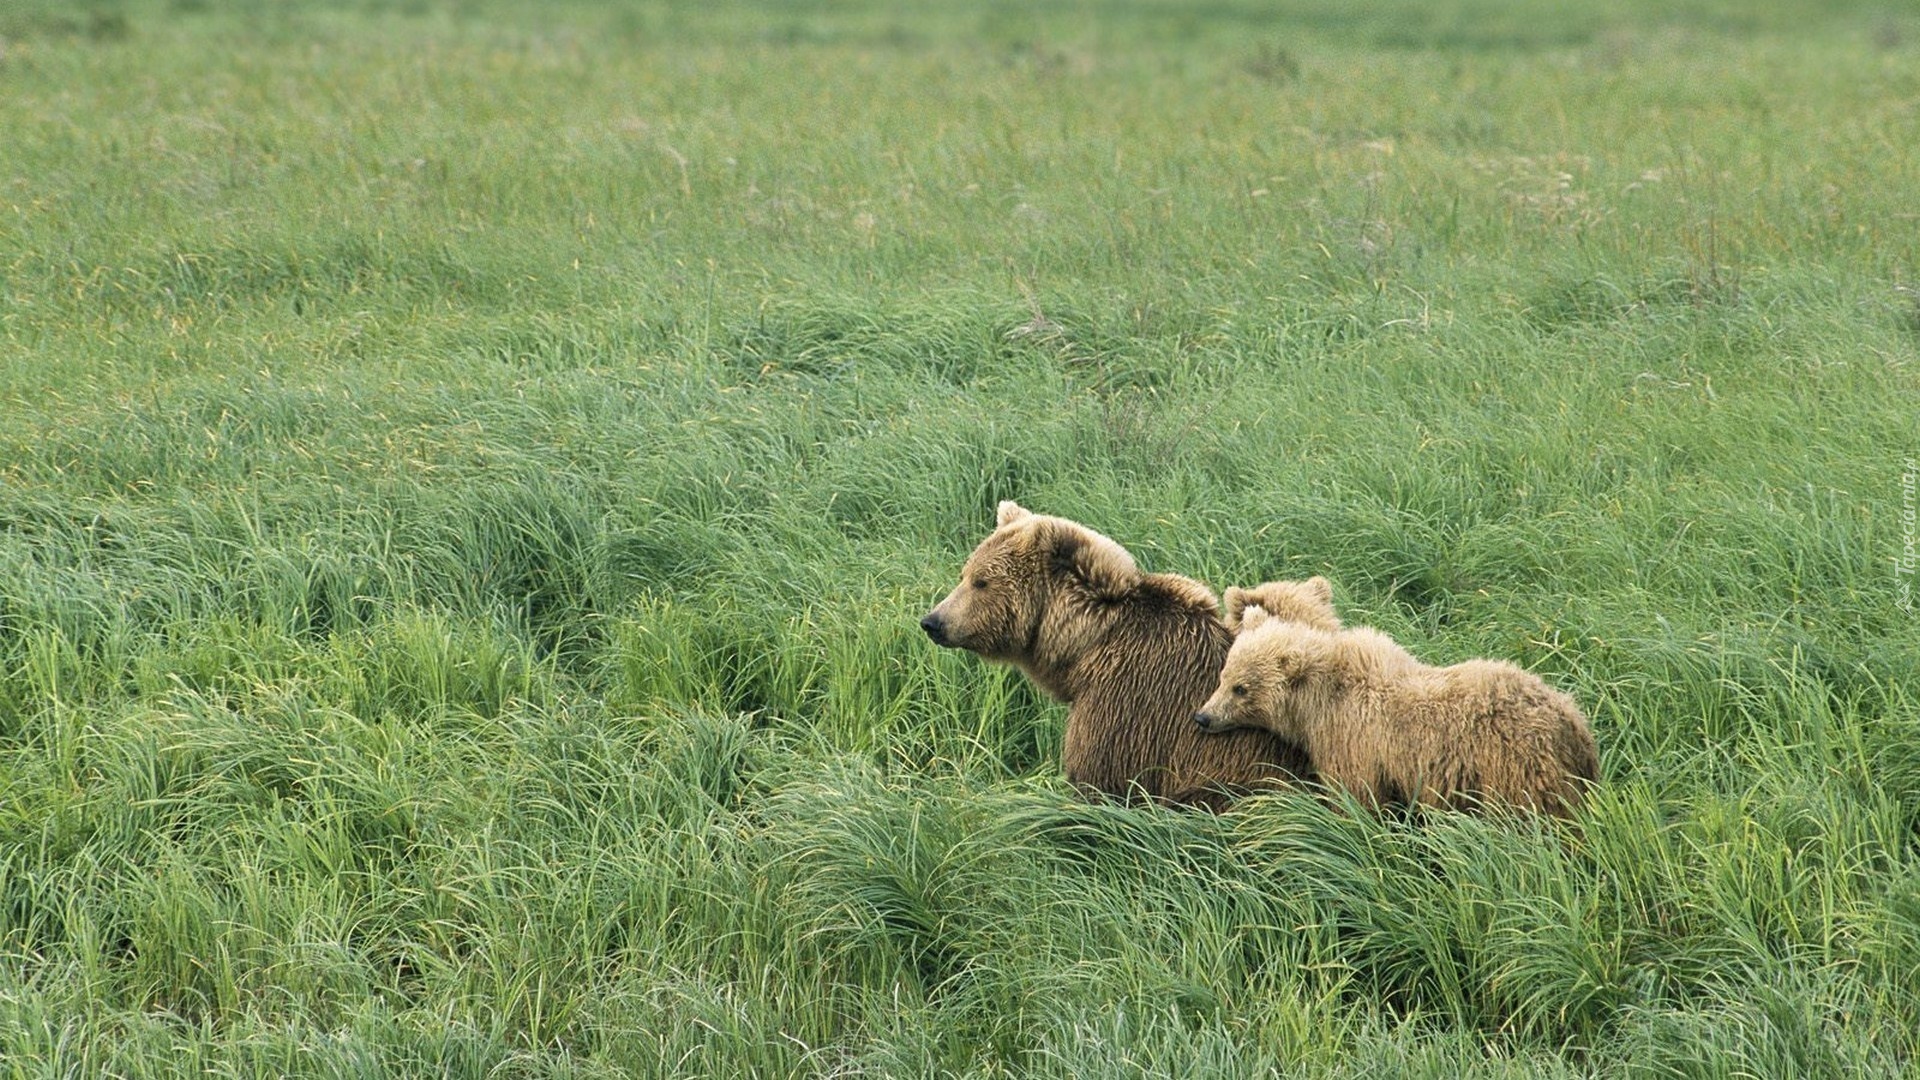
{"x": 469, "y": 473}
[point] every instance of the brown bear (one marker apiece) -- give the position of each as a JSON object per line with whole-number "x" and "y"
{"x": 1393, "y": 730}
{"x": 1132, "y": 653}
{"x": 1309, "y": 601}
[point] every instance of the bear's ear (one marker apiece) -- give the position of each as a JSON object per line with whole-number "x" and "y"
{"x": 1252, "y": 615}
{"x": 1320, "y": 588}
{"x": 1235, "y": 602}
{"x": 1009, "y": 513}
{"x": 1102, "y": 565}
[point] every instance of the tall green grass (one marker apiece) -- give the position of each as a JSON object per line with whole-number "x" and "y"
{"x": 469, "y": 473}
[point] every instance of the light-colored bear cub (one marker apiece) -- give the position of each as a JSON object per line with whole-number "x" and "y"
{"x": 1309, "y": 601}
{"x": 1392, "y": 730}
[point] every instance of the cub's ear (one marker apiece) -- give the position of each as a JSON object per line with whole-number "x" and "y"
{"x": 1009, "y": 513}
{"x": 1103, "y": 566}
{"x": 1320, "y": 588}
{"x": 1252, "y": 615}
{"x": 1235, "y": 602}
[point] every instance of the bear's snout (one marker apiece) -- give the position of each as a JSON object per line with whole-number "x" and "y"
{"x": 1204, "y": 720}
{"x": 936, "y": 627}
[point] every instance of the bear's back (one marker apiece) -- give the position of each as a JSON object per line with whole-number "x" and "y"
{"x": 1527, "y": 742}
{"x": 1132, "y": 723}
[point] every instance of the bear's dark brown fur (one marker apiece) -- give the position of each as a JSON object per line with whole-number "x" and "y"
{"x": 1133, "y": 654}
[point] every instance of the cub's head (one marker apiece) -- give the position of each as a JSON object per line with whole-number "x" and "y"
{"x": 1030, "y": 566}
{"x": 1309, "y": 602}
{"x": 1274, "y": 673}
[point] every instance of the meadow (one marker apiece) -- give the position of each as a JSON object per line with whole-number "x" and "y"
{"x": 470, "y": 472}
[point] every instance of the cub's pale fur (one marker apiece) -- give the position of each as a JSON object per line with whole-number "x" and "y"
{"x": 1390, "y": 729}
{"x": 1309, "y": 601}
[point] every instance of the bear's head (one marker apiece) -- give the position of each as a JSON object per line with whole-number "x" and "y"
{"x": 1031, "y": 571}
{"x": 1277, "y": 673}
{"x": 1309, "y": 602}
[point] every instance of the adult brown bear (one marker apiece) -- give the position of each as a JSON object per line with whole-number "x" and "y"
{"x": 1133, "y": 654}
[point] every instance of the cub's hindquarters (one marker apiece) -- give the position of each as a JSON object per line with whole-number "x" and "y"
{"x": 1462, "y": 737}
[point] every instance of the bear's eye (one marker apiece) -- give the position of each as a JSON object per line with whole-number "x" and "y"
{"x": 979, "y": 583}
{"x": 1239, "y": 689}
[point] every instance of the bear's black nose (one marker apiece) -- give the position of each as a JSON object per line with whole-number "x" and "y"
{"x": 936, "y": 628}
{"x": 1203, "y": 720}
